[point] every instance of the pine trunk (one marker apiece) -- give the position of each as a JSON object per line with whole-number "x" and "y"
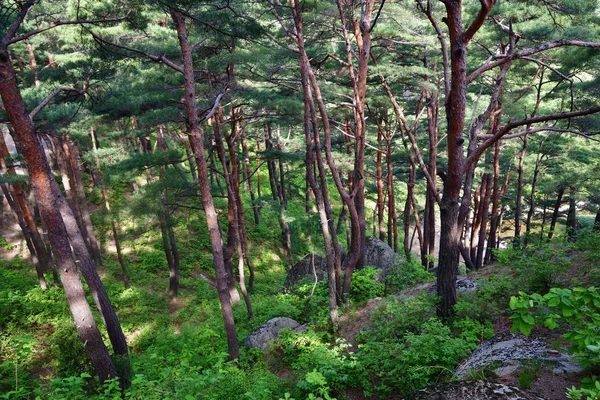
{"x": 485, "y": 205}
{"x": 195, "y": 136}
{"x": 489, "y": 255}
{"x": 51, "y": 202}
{"x": 572, "y": 215}
{"x": 518, "y": 206}
{"x": 557, "y": 204}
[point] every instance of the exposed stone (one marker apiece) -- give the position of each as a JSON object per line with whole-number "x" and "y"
{"x": 304, "y": 269}
{"x": 464, "y": 284}
{"x": 261, "y": 337}
{"x": 507, "y": 352}
{"x": 479, "y": 390}
{"x": 379, "y": 255}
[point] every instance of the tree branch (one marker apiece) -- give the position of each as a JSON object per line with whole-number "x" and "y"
{"x": 486, "y": 7}
{"x": 587, "y": 135}
{"x": 527, "y": 121}
{"x": 214, "y": 107}
{"x": 60, "y": 23}
{"x": 413, "y": 142}
{"x": 12, "y": 29}
{"x": 157, "y": 59}
{"x": 49, "y": 98}
{"x": 524, "y": 53}
{"x": 442, "y": 39}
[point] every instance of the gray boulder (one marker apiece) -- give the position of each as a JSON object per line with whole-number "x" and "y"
{"x": 507, "y": 352}
{"x": 464, "y": 284}
{"x": 479, "y": 390}
{"x": 304, "y": 269}
{"x": 261, "y": 337}
{"x": 379, "y": 255}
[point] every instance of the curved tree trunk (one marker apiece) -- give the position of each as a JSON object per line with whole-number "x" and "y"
{"x": 51, "y": 203}
{"x": 195, "y": 136}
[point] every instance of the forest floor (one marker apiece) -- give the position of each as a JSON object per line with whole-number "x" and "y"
{"x": 11, "y": 240}
{"x": 543, "y": 382}
{"x": 170, "y": 330}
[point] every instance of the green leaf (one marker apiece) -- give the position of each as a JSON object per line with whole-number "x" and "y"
{"x": 593, "y": 348}
{"x": 567, "y": 311}
{"x": 550, "y": 323}
{"x": 528, "y": 319}
{"x": 525, "y": 329}
{"x": 554, "y": 301}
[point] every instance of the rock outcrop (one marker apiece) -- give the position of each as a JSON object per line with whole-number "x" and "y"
{"x": 261, "y": 337}
{"x": 464, "y": 284}
{"x": 304, "y": 269}
{"x": 379, "y": 255}
{"x": 479, "y": 390}
{"x": 507, "y": 352}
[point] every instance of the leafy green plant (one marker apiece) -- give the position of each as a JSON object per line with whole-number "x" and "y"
{"x": 536, "y": 268}
{"x": 406, "y": 347}
{"x": 577, "y": 309}
{"x": 4, "y": 245}
{"x": 589, "y": 390}
{"x": 364, "y": 285}
{"x": 488, "y": 301}
{"x": 311, "y": 351}
{"x": 414, "y": 360}
{"x": 405, "y": 274}
{"x": 317, "y": 385}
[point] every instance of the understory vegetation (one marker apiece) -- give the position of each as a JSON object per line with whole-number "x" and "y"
{"x": 179, "y": 350}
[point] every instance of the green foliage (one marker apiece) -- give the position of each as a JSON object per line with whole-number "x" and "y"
{"x": 405, "y": 274}
{"x": 488, "y": 301}
{"x": 589, "y": 390}
{"x": 578, "y": 310}
{"x": 410, "y": 360}
{"x": 536, "y": 268}
{"x": 311, "y": 351}
{"x": 69, "y": 352}
{"x": 5, "y": 245}
{"x": 153, "y": 261}
{"x": 316, "y": 383}
{"x": 364, "y": 285}
{"x": 406, "y": 347}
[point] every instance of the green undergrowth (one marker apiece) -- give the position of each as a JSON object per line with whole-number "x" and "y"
{"x": 575, "y": 309}
{"x": 178, "y": 347}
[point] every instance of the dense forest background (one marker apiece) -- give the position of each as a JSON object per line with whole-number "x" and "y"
{"x": 165, "y": 166}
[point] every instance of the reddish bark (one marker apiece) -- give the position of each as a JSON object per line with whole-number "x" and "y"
{"x": 485, "y": 205}
{"x": 51, "y": 201}
{"x": 113, "y": 220}
{"x": 310, "y": 122}
{"x": 72, "y": 152}
{"x": 194, "y": 134}
{"x": 489, "y": 255}
{"x": 22, "y": 209}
